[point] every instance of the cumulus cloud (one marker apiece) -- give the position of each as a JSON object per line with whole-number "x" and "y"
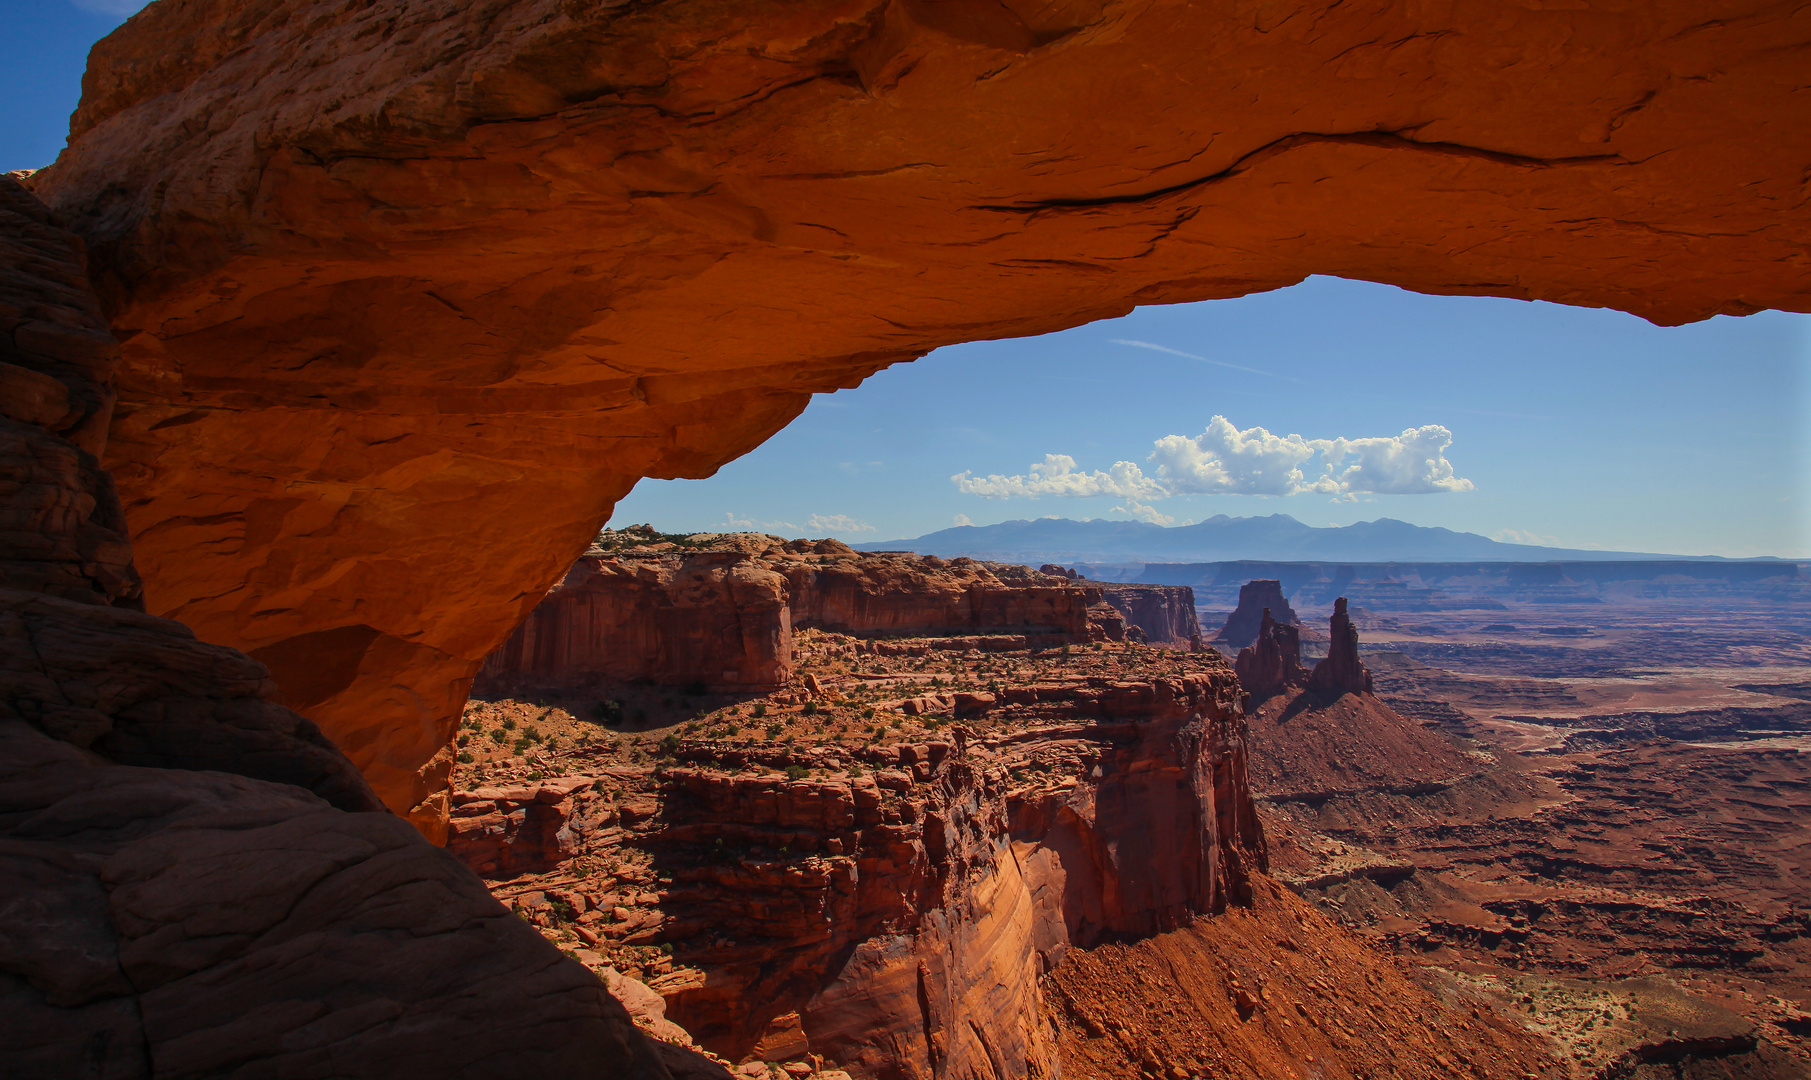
{"x": 1225, "y": 460}
{"x": 961, "y": 520}
{"x": 732, "y": 523}
{"x": 1412, "y": 463}
{"x": 836, "y": 523}
{"x": 1138, "y": 511}
{"x": 1057, "y": 475}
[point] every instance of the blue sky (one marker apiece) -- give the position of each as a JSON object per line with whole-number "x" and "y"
{"x": 1543, "y": 424}
{"x": 1574, "y": 427}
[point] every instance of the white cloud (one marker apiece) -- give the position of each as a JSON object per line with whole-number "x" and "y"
{"x": 836, "y": 523}
{"x": 1224, "y": 460}
{"x": 1413, "y": 463}
{"x": 732, "y": 523}
{"x": 1138, "y": 511}
{"x": 1057, "y": 475}
{"x": 961, "y": 520}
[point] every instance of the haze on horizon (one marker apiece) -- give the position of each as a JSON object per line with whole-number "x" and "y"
{"x": 1332, "y": 401}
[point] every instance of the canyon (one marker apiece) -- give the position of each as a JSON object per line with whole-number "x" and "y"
{"x": 1425, "y": 830}
{"x": 912, "y": 860}
{"x": 1613, "y": 859}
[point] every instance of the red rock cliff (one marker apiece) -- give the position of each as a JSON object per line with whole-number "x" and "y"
{"x": 411, "y": 295}
{"x": 725, "y": 618}
{"x": 1165, "y": 614}
{"x": 899, "y": 919}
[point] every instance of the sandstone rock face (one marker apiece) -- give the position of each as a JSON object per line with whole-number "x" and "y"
{"x": 717, "y": 618}
{"x": 1273, "y": 663}
{"x": 411, "y": 296}
{"x": 1257, "y": 599}
{"x": 1341, "y": 672}
{"x": 176, "y": 923}
{"x": 1164, "y": 614}
{"x": 195, "y": 882}
{"x": 894, "y": 910}
{"x": 725, "y": 618}
{"x": 62, "y": 532}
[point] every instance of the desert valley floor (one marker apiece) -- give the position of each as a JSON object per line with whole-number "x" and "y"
{"x": 1560, "y": 840}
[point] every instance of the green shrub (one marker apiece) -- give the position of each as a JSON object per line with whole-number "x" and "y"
{"x": 498, "y": 736}
{"x": 760, "y": 708}
{"x": 670, "y": 743}
{"x": 796, "y": 772}
{"x": 609, "y": 712}
{"x": 509, "y": 723}
{"x": 563, "y": 911}
{"x": 466, "y": 758}
{"x": 811, "y": 708}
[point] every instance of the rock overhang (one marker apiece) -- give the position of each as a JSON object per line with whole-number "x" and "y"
{"x": 410, "y": 296}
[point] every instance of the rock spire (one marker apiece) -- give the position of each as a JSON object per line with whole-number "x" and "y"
{"x": 1273, "y": 662}
{"x": 1341, "y": 671}
{"x": 1256, "y": 597}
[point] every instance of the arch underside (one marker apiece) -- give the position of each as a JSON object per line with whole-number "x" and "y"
{"x": 408, "y": 298}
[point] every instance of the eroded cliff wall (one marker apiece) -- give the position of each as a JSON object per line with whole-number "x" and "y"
{"x": 724, "y": 617}
{"x": 410, "y": 295}
{"x": 894, "y": 909}
{"x": 1164, "y": 614}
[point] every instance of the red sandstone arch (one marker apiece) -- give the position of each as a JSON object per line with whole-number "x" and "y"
{"x": 411, "y": 293}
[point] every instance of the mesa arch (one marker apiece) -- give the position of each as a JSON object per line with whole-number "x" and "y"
{"x": 411, "y": 293}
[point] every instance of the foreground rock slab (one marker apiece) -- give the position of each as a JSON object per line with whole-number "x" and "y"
{"x": 191, "y": 924}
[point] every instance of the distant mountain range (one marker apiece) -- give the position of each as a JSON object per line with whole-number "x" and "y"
{"x": 1277, "y": 538}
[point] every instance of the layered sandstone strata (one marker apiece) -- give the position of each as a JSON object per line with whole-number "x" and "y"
{"x": 195, "y": 882}
{"x": 412, "y": 295}
{"x": 1164, "y": 614}
{"x": 893, "y": 908}
{"x": 724, "y": 616}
